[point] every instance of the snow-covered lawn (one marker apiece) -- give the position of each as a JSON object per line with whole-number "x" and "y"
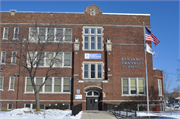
{"x": 175, "y": 115}
{"x": 26, "y": 113}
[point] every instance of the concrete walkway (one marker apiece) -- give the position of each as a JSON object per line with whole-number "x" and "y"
{"x": 97, "y": 115}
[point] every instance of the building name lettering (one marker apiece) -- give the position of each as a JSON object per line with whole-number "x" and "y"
{"x": 131, "y": 63}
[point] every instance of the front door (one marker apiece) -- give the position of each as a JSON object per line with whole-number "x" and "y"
{"x": 92, "y": 103}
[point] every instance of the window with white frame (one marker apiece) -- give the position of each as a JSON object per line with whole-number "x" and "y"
{"x": 5, "y": 33}
{"x": 16, "y": 33}
{"x": 1, "y": 82}
{"x": 3, "y": 57}
{"x": 13, "y": 58}
{"x": 11, "y": 83}
{"x": 133, "y": 86}
{"x": 93, "y": 71}
{"x": 33, "y": 106}
{"x": 160, "y": 87}
{"x": 60, "y": 59}
{"x": 92, "y": 38}
{"x": 52, "y": 85}
{"x": 50, "y": 34}
{"x": 9, "y": 106}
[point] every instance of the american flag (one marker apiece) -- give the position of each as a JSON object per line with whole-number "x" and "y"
{"x": 151, "y": 37}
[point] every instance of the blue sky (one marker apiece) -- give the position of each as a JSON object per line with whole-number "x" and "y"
{"x": 164, "y": 23}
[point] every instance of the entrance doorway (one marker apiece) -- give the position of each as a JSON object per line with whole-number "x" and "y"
{"x": 92, "y": 100}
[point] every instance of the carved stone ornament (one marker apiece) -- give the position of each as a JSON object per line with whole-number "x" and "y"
{"x": 92, "y": 12}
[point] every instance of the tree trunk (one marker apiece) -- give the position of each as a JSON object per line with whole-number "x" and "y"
{"x": 37, "y": 101}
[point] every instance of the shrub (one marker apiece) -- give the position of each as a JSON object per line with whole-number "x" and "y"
{"x": 58, "y": 106}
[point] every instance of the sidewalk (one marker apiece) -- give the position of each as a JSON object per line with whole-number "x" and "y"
{"x": 97, "y": 115}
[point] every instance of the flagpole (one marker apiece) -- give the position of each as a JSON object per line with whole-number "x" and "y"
{"x": 146, "y": 70}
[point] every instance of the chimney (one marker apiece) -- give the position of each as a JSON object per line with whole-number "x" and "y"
{"x": 12, "y": 12}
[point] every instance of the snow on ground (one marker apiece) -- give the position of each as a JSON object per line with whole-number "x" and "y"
{"x": 26, "y": 113}
{"x": 174, "y": 115}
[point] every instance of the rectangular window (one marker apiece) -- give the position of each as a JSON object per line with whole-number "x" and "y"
{"x": 57, "y": 84}
{"x": 27, "y": 105}
{"x": 92, "y": 38}
{"x": 3, "y": 57}
{"x": 49, "y": 57}
{"x": 42, "y": 34}
{"x": 1, "y": 82}
{"x": 5, "y": 33}
{"x": 0, "y": 106}
{"x": 67, "y": 34}
{"x": 28, "y": 85}
{"x": 11, "y": 83}
{"x": 133, "y": 86}
{"x": 160, "y": 87}
{"x": 16, "y": 33}
{"x": 60, "y": 59}
{"x": 39, "y": 81}
{"x": 66, "y": 86}
{"x": 9, "y": 106}
{"x": 52, "y": 85}
{"x": 86, "y": 70}
{"x": 93, "y": 71}
{"x": 67, "y": 59}
{"x": 13, "y": 58}
{"x": 50, "y": 34}
{"x": 48, "y": 85}
{"x": 33, "y": 34}
{"x": 42, "y": 106}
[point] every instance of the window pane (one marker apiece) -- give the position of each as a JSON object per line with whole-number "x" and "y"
{"x": 16, "y": 31}
{"x": 34, "y": 106}
{"x": 125, "y": 82}
{"x": 57, "y": 84}
{"x": 27, "y": 105}
{"x": 89, "y": 93}
{"x": 5, "y": 35}
{"x": 92, "y": 31}
{"x": 133, "y": 90}
{"x": 59, "y": 34}
{"x": 13, "y": 57}
{"x": 86, "y": 46}
{"x": 50, "y": 34}
{"x": 66, "y": 81}
{"x": 67, "y": 34}
{"x": 42, "y": 32}
{"x": 125, "y": 90}
{"x": 92, "y": 42}
{"x": 12, "y": 83}
{"x": 99, "y": 43}
{"x": 1, "y": 82}
{"x": 10, "y": 106}
{"x": 99, "y": 31}
{"x": 48, "y": 85}
{"x": 29, "y": 85}
{"x": 66, "y": 89}
{"x": 67, "y": 60}
{"x": 58, "y": 61}
{"x": 99, "y": 71}
{"x": 3, "y": 56}
{"x": 96, "y": 93}
{"x": 33, "y": 34}
{"x": 92, "y": 70}
{"x": 39, "y": 82}
{"x": 86, "y": 31}
{"x": 42, "y": 106}
{"x": 140, "y": 82}
{"x": 49, "y": 57}
{"x": 133, "y": 82}
{"x": 85, "y": 70}
{"x": 141, "y": 90}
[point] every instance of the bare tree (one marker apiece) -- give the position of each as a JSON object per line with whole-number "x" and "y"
{"x": 39, "y": 46}
{"x": 167, "y": 84}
